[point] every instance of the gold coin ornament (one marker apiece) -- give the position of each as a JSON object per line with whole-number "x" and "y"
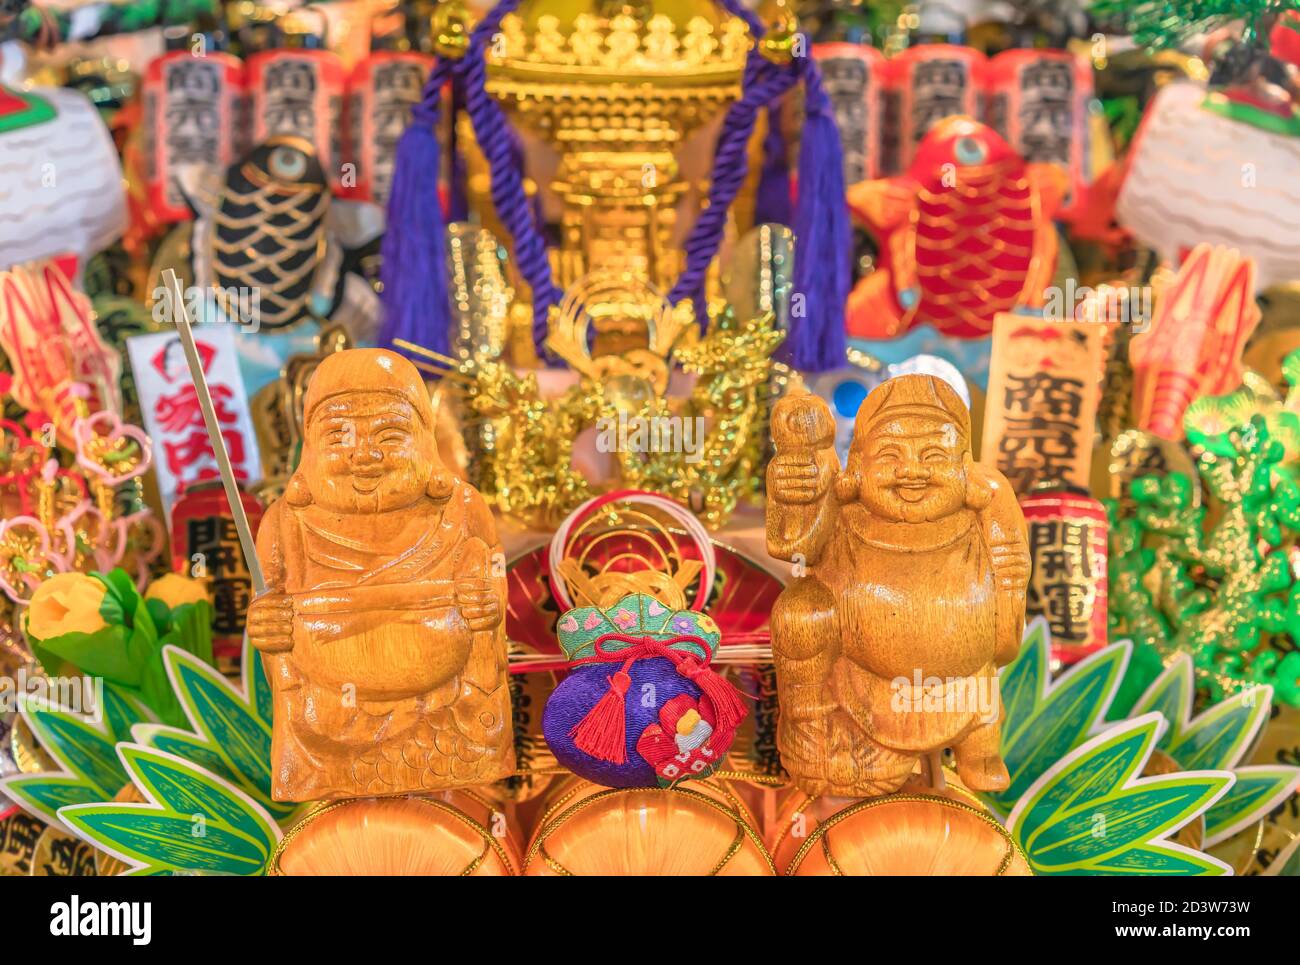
{"x": 60, "y": 854}
{"x": 19, "y": 833}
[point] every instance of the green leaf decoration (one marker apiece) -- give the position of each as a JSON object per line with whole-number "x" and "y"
{"x": 1258, "y": 790}
{"x": 115, "y": 653}
{"x": 189, "y": 626}
{"x": 1144, "y": 666}
{"x": 184, "y": 744}
{"x": 1218, "y": 740}
{"x": 1045, "y": 719}
{"x": 255, "y": 678}
{"x": 122, "y": 711}
{"x": 193, "y": 820}
{"x": 232, "y": 727}
{"x": 43, "y": 794}
{"x": 1089, "y": 813}
{"x": 1157, "y": 860}
{"x": 1220, "y": 737}
{"x": 83, "y": 749}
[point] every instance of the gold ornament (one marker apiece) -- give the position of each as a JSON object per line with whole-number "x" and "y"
{"x": 705, "y": 451}
{"x": 616, "y": 96}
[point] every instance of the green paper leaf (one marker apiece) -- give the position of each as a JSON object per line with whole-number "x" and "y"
{"x": 136, "y": 833}
{"x": 1089, "y": 812}
{"x": 1046, "y": 719}
{"x": 1023, "y": 680}
{"x": 116, "y": 607}
{"x": 82, "y": 748}
{"x": 1218, "y": 738}
{"x": 189, "y": 790}
{"x": 43, "y": 794}
{"x": 122, "y": 711}
{"x": 106, "y": 653}
{"x": 1148, "y": 860}
{"x": 161, "y": 615}
{"x": 190, "y": 628}
{"x": 1257, "y": 791}
{"x": 193, "y": 821}
{"x": 191, "y": 747}
{"x": 255, "y": 676}
{"x": 1287, "y": 863}
{"x": 233, "y": 726}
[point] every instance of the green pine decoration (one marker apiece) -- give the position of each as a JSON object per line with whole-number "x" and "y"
{"x": 1171, "y": 23}
{"x": 1217, "y": 586}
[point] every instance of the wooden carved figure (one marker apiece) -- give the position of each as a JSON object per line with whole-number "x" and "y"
{"x": 911, "y": 570}
{"x": 382, "y": 626}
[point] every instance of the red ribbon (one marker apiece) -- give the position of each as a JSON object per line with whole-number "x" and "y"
{"x": 602, "y": 733}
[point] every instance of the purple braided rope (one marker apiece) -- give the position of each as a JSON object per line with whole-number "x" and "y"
{"x": 511, "y": 202}
{"x": 816, "y": 100}
{"x": 428, "y": 108}
{"x": 763, "y": 83}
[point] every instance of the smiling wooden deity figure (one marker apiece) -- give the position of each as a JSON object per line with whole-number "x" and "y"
{"x": 382, "y": 626}
{"x": 887, "y": 649}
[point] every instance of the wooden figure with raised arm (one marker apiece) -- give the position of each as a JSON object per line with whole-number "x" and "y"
{"x": 912, "y": 565}
{"x": 382, "y": 627}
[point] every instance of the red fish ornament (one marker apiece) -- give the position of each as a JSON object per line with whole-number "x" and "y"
{"x": 965, "y": 234}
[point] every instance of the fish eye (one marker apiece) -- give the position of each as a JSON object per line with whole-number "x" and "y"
{"x": 968, "y": 150}
{"x": 287, "y": 164}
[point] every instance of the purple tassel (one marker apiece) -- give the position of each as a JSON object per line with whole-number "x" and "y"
{"x": 772, "y": 206}
{"x": 413, "y": 269}
{"x": 823, "y": 236}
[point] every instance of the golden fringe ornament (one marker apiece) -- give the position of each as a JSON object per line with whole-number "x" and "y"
{"x": 703, "y": 829}
{"x": 454, "y": 833}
